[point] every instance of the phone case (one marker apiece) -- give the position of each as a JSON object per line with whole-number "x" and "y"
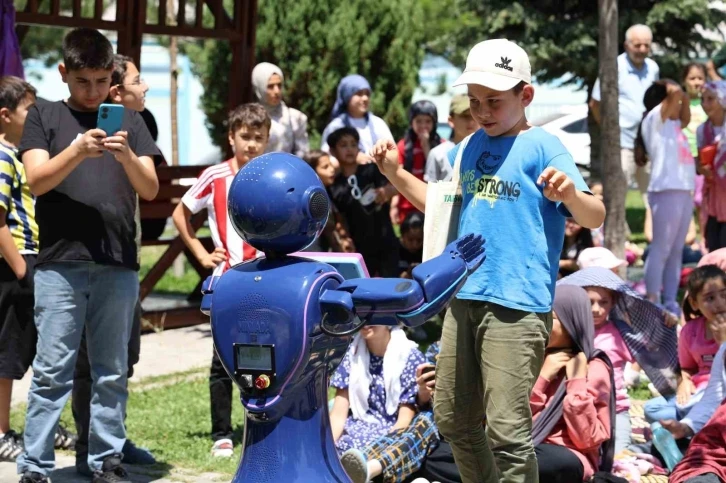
{"x": 110, "y": 118}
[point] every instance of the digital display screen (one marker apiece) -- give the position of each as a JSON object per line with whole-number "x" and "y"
{"x": 254, "y": 358}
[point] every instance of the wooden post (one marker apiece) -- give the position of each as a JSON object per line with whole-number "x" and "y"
{"x": 614, "y": 184}
{"x": 178, "y": 266}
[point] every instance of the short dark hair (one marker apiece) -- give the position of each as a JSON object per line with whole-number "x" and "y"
{"x": 313, "y": 157}
{"x": 412, "y": 220}
{"x": 13, "y": 90}
{"x": 120, "y": 65}
{"x": 335, "y": 137}
{"x": 251, "y": 114}
{"x": 85, "y": 48}
{"x": 519, "y": 87}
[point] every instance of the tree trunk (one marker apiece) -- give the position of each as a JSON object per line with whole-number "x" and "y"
{"x": 614, "y": 187}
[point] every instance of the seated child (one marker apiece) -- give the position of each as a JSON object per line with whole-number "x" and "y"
{"x": 375, "y": 390}
{"x": 626, "y": 327}
{"x": 573, "y": 400}
{"x": 335, "y": 235}
{"x": 697, "y": 346}
{"x": 576, "y": 240}
{"x": 362, "y": 195}
{"x": 411, "y": 251}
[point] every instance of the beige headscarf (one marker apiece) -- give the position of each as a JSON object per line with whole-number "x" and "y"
{"x": 261, "y": 76}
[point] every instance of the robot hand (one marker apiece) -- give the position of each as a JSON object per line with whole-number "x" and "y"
{"x": 390, "y": 301}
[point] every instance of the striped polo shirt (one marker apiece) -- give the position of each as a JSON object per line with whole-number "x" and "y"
{"x": 17, "y": 201}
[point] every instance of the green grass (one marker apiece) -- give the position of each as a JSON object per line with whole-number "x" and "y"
{"x": 635, "y": 215}
{"x": 173, "y": 420}
{"x": 169, "y": 283}
{"x": 640, "y": 392}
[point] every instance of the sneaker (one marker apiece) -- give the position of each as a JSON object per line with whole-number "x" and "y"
{"x": 33, "y": 477}
{"x": 134, "y": 455}
{"x": 111, "y": 471}
{"x": 64, "y": 439}
{"x": 355, "y": 465}
{"x": 223, "y": 448}
{"x": 10, "y": 446}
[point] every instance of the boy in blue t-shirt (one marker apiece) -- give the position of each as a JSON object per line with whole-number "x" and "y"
{"x": 518, "y": 184}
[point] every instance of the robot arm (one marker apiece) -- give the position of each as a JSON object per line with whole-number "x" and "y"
{"x": 377, "y": 301}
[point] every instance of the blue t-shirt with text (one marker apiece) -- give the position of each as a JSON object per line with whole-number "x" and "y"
{"x": 524, "y": 231}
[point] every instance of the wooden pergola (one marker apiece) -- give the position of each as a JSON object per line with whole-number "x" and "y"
{"x": 131, "y": 24}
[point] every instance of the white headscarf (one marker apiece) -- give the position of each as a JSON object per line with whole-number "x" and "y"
{"x": 394, "y": 362}
{"x": 261, "y": 77}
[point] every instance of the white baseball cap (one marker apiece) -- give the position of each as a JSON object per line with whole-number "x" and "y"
{"x": 599, "y": 257}
{"x": 497, "y": 64}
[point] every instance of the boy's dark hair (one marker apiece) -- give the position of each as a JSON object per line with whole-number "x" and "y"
{"x": 654, "y": 95}
{"x": 693, "y": 65}
{"x": 13, "y": 90}
{"x": 120, "y": 65}
{"x": 251, "y": 114}
{"x": 85, "y": 48}
{"x": 336, "y": 136}
{"x": 313, "y": 157}
{"x": 519, "y": 87}
{"x": 412, "y": 220}
{"x": 696, "y": 280}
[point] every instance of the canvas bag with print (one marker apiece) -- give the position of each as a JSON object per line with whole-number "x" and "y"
{"x": 443, "y": 207}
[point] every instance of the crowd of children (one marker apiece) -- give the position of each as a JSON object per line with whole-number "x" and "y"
{"x": 477, "y": 408}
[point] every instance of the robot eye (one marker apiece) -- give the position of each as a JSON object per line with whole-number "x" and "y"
{"x": 318, "y": 205}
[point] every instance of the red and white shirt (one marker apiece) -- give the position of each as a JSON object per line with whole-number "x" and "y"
{"x": 210, "y": 192}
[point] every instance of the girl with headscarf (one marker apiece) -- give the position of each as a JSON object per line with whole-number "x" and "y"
{"x": 289, "y": 130}
{"x": 351, "y": 109}
{"x": 711, "y": 133}
{"x": 573, "y": 401}
{"x": 413, "y": 150}
{"x": 629, "y": 328}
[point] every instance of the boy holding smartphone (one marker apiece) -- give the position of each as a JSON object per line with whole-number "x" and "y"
{"x": 86, "y": 182}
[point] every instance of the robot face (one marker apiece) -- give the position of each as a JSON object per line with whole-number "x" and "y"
{"x": 278, "y": 204}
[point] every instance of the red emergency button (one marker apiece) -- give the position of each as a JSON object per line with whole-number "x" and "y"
{"x": 262, "y": 382}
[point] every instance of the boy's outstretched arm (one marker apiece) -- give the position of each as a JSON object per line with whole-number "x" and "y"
{"x": 588, "y": 211}
{"x": 385, "y": 154}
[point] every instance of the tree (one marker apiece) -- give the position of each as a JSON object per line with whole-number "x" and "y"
{"x": 614, "y": 187}
{"x": 560, "y": 36}
{"x": 316, "y": 44}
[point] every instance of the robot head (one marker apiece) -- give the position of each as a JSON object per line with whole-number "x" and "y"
{"x": 278, "y": 204}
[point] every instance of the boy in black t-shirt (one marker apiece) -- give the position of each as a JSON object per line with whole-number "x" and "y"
{"x": 362, "y": 194}
{"x": 86, "y": 181}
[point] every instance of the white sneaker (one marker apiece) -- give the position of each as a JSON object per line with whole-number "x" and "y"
{"x": 223, "y": 448}
{"x": 355, "y": 465}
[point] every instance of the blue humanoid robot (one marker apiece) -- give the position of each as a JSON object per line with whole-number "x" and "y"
{"x": 281, "y": 323}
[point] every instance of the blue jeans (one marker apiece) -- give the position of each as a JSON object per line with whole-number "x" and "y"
{"x": 69, "y": 295}
{"x": 660, "y": 408}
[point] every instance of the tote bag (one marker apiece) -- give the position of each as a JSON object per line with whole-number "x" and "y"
{"x": 443, "y": 207}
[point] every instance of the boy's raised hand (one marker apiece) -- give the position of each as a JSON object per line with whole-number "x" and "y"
{"x": 90, "y": 144}
{"x": 557, "y": 186}
{"x": 118, "y": 145}
{"x": 385, "y": 154}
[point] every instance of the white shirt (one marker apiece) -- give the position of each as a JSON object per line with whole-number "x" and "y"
{"x": 438, "y": 167}
{"x": 672, "y": 164}
{"x": 370, "y": 131}
{"x": 713, "y": 395}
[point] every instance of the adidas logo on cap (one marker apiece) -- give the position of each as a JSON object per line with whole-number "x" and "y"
{"x": 504, "y": 64}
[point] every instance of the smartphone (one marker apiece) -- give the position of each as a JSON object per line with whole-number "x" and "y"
{"x": 110, "y": 118}
{"x": 427, "y": 369}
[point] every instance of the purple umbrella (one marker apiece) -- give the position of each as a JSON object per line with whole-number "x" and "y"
{"x": 11, "y": 63}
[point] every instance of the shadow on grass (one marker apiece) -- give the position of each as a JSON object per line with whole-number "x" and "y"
{"x": 138, "y": 474}
{"x": 237, "y": 435}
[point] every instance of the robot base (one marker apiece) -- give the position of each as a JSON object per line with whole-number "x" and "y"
{"x": 297, "y": 448}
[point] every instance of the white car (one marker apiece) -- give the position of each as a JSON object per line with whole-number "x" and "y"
{"x": 570, "y": 126}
